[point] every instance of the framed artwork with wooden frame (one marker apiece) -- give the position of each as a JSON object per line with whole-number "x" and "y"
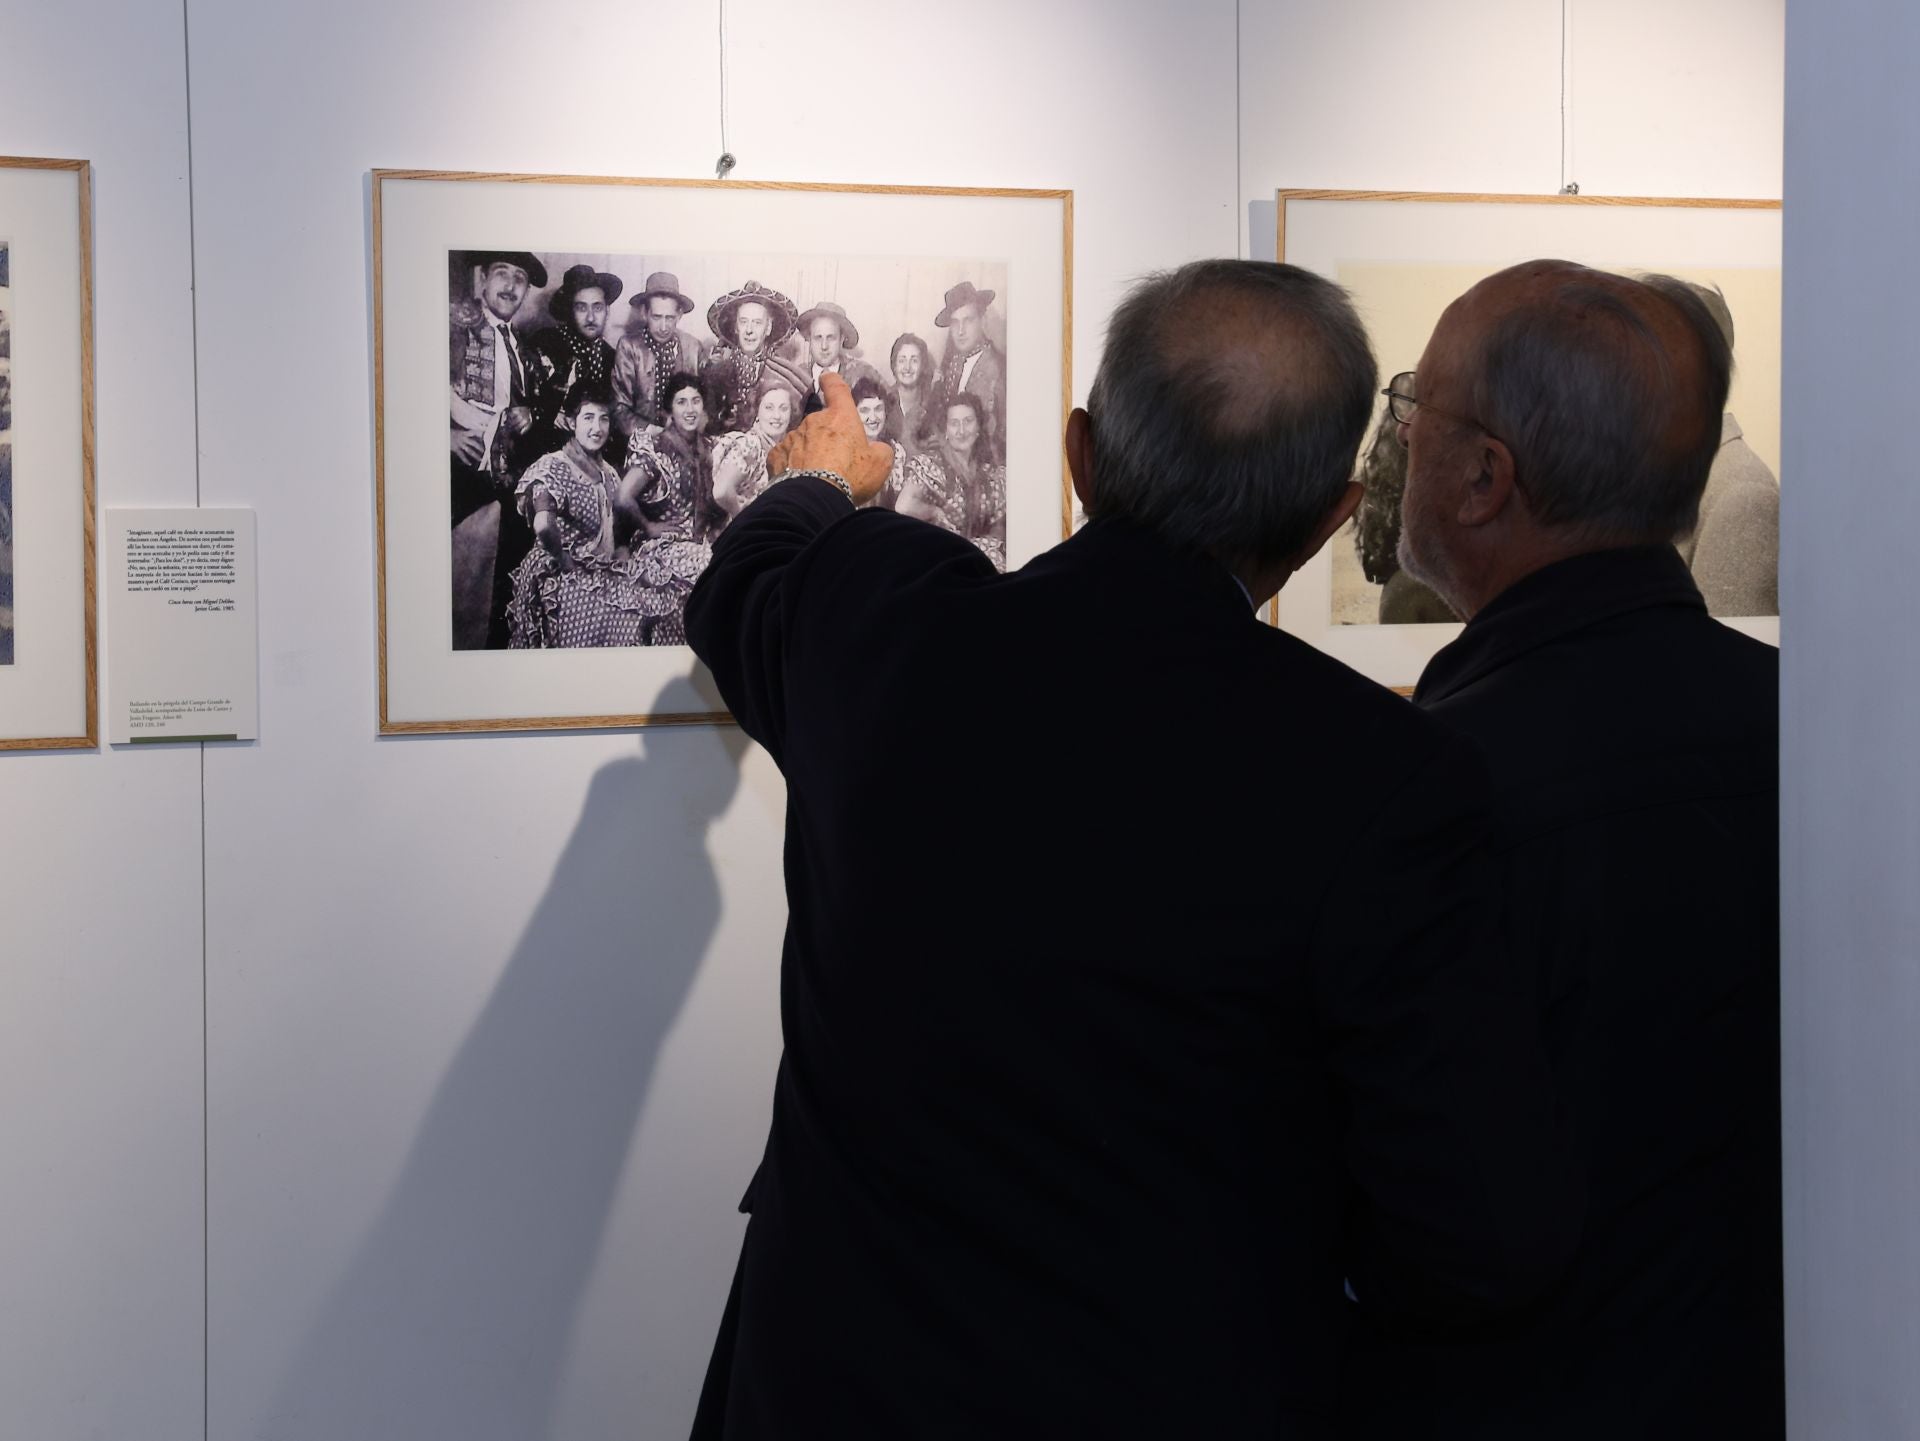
{"x": 620, "y": 355}
{"x": 1404, "y": 256}
{"x": 48, "y": 684}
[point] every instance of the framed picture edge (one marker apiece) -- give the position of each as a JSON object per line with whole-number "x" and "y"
{"x": 1474, "y": 197}
{"x": 525, "y": 724}
{"x": 386, "y": 725}
{"x": 89, "y": 739}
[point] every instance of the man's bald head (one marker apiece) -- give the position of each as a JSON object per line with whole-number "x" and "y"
{"x": 1229, "y": 406}
{"x": 1608, "y": 391}
{"x": 1254, "y": 359}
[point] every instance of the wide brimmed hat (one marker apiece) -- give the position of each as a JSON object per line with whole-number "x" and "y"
{"x": 720, "y": 314}
{"x": 781, "y": 375}
{"x": 577, "y": 279}
{"x": 963, "y": 294}
{"x": 525, "y": 259}
{"x": 849, "y": 337}
{"x": 663, "y": 282}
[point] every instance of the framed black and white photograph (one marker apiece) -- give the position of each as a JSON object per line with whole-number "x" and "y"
{"x": 47, "y": 676}
{"x": 1405, "y": 256}
{"x": 621, "y": 357}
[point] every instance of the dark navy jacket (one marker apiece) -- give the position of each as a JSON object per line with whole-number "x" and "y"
{"x": 1634, "y": 748}
{"x": 1138, "y": 992}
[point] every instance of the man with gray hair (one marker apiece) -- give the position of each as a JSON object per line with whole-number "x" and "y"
{"x": 1559, "y": 430}
{"x": 1125, "y": 1028}
{"x": 1734, "y": 549}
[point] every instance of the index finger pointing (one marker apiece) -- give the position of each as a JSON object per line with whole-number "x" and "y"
{"x": 838, "y": 395}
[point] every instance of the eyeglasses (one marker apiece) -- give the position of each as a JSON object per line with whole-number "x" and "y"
{"x": 1402, "y": 403}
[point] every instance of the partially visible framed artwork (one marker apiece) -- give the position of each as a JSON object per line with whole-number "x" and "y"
{"x": 47, "y": 675}
{"x": 621, "y": 355}
{"x": 1405, "y": 256}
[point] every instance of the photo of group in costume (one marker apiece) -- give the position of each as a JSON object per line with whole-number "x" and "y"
{"x": 607, "y": 420}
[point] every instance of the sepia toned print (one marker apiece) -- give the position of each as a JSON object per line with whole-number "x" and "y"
{"x": 610, "y": 415}
{"x": 1733, "y": 551}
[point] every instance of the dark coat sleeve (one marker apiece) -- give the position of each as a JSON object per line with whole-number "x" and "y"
{"x": 549, "y": 360}
{"x": 781, "y": 594}
{"x": 740, "y": 611}
{"x": 1470, "y": 1195}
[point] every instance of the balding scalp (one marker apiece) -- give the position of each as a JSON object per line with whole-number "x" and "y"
{"x": 1608, "y": 391}
{"x": 1229, "y": 407}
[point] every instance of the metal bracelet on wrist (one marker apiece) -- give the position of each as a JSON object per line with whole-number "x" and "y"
{"x": 831, "y": 477}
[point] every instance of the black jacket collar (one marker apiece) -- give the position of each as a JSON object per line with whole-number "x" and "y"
{"x": 1158, "y": 572}
{"x": 1554, "y": 601}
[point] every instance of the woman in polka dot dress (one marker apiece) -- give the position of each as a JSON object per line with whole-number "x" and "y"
{"x": 740, "y": 458}
{"x": 666, "y": 501}
{"x": 955, "y": 484}
{"x": 568, "y": 590}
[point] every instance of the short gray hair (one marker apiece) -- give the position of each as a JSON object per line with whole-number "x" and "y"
{"x": 1228, "y": 408}
{"x": 1612, "y": 433}
{"x": 1714, "y": 298}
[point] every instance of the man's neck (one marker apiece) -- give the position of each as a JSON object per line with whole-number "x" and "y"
{"x": 1258, "y": 589}
{"x": 1507, "y": 566}
{"x": 1257, "y": 585}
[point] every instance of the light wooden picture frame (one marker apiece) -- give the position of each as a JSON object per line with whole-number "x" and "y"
{"x": 1404, "y": 255}
{"x": 466, "y": 648}
{"x": 48, "y": 678}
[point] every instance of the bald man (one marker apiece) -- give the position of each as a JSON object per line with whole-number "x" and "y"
{"x": 1125, "y": 1024}
{"x": 1559, "y": 430}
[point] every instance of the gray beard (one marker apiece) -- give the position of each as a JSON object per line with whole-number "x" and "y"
{"x": 1434, "y": 578}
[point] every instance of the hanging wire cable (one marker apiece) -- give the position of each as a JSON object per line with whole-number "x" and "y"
{"x": 1241, "y": 224}
{"x": 726, "y": 162}
{"x": 1566, "y": 187}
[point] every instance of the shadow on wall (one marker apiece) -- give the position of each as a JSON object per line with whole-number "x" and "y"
{"x": 456, "y": 1313}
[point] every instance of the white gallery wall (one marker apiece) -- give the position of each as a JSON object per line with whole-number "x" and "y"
{"x": 1641, "y": 97}
{"x": 491, "y": 1021}
{"x": 100, "y": 1039}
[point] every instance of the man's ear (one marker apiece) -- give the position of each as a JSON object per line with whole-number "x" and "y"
{"x": 1489, "y": 493}
{"x": 1350, "y": 497}
{"x": 1079, "y": 447}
